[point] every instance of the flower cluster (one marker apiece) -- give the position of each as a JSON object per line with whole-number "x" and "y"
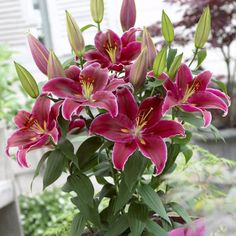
{"x": 122, "y": 89}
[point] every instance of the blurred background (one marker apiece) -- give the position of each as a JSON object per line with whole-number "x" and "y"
{"x": 45, "y": 19}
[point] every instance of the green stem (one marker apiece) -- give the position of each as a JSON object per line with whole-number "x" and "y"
{"x": 90, "y": 114}
{"x": 81, "y": 62}
{"x": 194, "y": 56}
{"x": 99, "y": 27}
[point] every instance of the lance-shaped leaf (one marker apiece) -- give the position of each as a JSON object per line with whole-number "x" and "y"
{"x": 175, "y": 66}
{"x": 127, "y": 14}
{"x": 167, "y": 28}
{"x": 39, "y": 53}
{"x": 151, "y": 49}
{"x": 160, "y": 62}
{"x": 55, "y": 68}
{"x": 203, "y": 28}
{"x": 27, "y": 81}
{"x": 97, "y": 10}
{"x": 201, "y": 56}
{"x": 139, "y": 70}
{"x": 74, "y": 35}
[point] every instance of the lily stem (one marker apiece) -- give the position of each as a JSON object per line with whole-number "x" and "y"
{"x": 99, "y": 27}
{"x": 90, "y": 114}
{"x": 194, "y": 56}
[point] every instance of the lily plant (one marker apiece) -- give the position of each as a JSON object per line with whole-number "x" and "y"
{"x": 121, "y": 111}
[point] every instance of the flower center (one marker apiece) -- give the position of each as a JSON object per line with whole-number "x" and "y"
{"x": 87, "y": 86}
{"x": 190, "y": 91}
{"x": 111, "y": 49}
{"x": 34, "y": 125}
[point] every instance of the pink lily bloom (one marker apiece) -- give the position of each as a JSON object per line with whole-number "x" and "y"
{"x": 197, "y": 229}
{"x": 137, "y": 128}
{"x": 114, "y": 52}
{"x": 35, "y": 130}
{"x": 193, "y": 95}
{"x": 83, "y": 88}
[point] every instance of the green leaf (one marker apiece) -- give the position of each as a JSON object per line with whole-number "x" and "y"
{"x": 155, "y": 228}
{"x": 151, "y": 198}
{"x": 64, "y": 125}
{"x": 54, "y": 168}
{"x": 183, "y": 140}
{"x": 137, "y": 216}
{"x": 89, "y": 211}
{"x": 191, "y": 118}
{"x": 201, "y": 56}
{"x": 167, "y": 28}
{"x": 118, "y": 226}
{"x": 221, "y": 85}
{"x": 82, "y": 185}
{"x": 187, "y": 152}
{"x": 69, "y": 62}
{"x": 77, "y": 226}
{"x": 108, "y": 190}
{"x": 87, "y": 27}
{"x": 173, "y": 152}
{"x": 160, "y": 62}
{"x": 42, "y": 160}
{"x": 27, "y": 81}
{"x": 171, "y": 56}
{"x": 87, "y": 149}
{"x": 180, "y": 211}
{"x": 134, "y": 169}
{"x": 175, "y": 66}
{"x": 123, "y": 196}
{"x": 203, "y": 28}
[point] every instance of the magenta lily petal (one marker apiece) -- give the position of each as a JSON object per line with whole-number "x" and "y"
{"x": 73, "y": 72}
{"x": 41, "y": 110}
{"x": 121, "y": 153}
{"x": 129, "y": 36}
{"x": 21, "y": 119}
{"x": 104, "y": 100}
{"x": 169, "y": 102}
{"x": 206, "y": 114}
{"x": 167, "y": 128}
{"x": 183, "y": 78}
{"x": 95, "y": 75}
{"x": 208, "y": 100}
{"x": 76, "y": 124}
{"x": 114, "y": 129}
{"x": 130, "y": 52}
{"x": 127, "y": 104}
{"x": 54, "y": 113}
{"x": 151, "y": 108}
{"x": 153, "y": 147}
{"x": 95, "y": 56}
{"x": 108, "y": 41}
{"x": 21, "y": 153}
{"x": 69, "y": 107}
{"x": 220, "y": 94}
{"x": 202, "y": 80}
{"x": 115, "y": 84}
{"x": 170, "y": 86}
{"x": 198, "y": 229}
{"x": 63, "y": 88}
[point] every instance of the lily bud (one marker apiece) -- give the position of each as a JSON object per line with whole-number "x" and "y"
{"x": 97, "y": 10}
{"x": 139, "y": 70}
{"x": 27, "y": 81}
{"x": 39, "y": 53}
{"x": 74, "y": 35}
{"x": 151, "y": 49}
{"x": 128, "y": 14}
{"x": 55, "y": 68}
{"x": 203, "y": 28}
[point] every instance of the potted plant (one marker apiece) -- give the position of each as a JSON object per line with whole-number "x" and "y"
{"x": 136, "y": 106}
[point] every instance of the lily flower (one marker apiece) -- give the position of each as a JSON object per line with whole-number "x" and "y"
{"x": 84, "y": 88}
{"x": 35, "y": 130}
{"x": 193, "y": 95}
{"x": 137, "y": 128}
{"x": 113, "y": 52}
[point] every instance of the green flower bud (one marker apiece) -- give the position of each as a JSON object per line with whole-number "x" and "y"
{"x": 167, "y": 28}
{"x": 27, "y": 81}
{"x": 97, "y": 10}
{"x": 74, "y": 35}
